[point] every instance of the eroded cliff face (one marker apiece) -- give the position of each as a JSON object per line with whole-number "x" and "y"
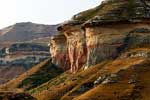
{"x": 76, "y": 46}
{"x": 107, "y": 41}
{"x": 97, "y": 43}
{"x": 58, "y": 51}
{"x": 104, "y": 32}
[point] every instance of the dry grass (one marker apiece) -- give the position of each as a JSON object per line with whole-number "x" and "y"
{"x": 64, "y": 83}
{"x": 65, "y": 86}
{"x": 14, "y": 83}
{"x": 123, "y": 90}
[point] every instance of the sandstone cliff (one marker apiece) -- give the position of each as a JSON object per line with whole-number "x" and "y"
{"x": 58, "y": 51}
{"x": 104, "y": 32}
{"x": 76, "y": 45}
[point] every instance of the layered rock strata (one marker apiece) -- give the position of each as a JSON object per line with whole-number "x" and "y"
{"x": 104, "y": 32}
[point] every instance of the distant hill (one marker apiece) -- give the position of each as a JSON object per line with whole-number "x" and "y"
{"x": 26, "y": 31}
{"x": 26, "y": 44}
{"x": 20, "y": 57}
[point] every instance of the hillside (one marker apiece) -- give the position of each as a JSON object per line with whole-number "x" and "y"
{"x": 34, "y": 77}
{"x": 109, "y": 80}
{"x": 22, "y": 46}
{"x": 104, "y": 52}
{"x": 20, "y": 57}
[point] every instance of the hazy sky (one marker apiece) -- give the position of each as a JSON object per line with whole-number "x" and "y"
{"x": 41, "y": 11}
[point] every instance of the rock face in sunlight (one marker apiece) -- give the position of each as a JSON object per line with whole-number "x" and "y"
{"x": 107, "y": 41}
{"x": 58, "y": 51}
{"x": 104, "y": 32}
{"x": 76, "y": 45}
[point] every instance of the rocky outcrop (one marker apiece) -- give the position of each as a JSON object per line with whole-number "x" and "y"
{"x": 143, "y": 53}
{"x": 104, "y": 32}
{"x": 76, "y": 45}
{"x": 105, "y": 79}
{"x": 107, "y": 41}
{"x": 58, "y": 51}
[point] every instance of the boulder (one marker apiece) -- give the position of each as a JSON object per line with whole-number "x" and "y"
{"x": 107, "y": 79}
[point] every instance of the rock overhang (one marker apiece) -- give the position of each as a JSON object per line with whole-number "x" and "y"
{"x": 71, "y": 23}
{"x": 57, "y": 40}
{"x": 57, "y": 37}
{"x": 76, "y": 30}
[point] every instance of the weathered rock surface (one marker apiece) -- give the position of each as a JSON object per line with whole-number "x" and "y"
{"x": 145, "y": 53}
{"x": 76, "y": 45}
{"x": 107, "y": 79}
{"x": 58, "y": 51}
{"x": 105, "y": 31}
{"x": 107, "y": 41}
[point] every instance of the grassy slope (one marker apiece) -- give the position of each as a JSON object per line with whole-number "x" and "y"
{"x": 66, "y": 86}
{"x": 60, "y": 85}
{"x": 37, "y": 75}
{"x": 123, "y": 90}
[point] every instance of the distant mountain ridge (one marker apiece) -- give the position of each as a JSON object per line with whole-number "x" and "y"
{"x": 26, "y": 31}
{"x": 25, "y": 43}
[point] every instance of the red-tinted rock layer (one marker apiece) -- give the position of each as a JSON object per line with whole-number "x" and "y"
{"x": 58, "y": 51}
{"x": 76, "y": 46}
